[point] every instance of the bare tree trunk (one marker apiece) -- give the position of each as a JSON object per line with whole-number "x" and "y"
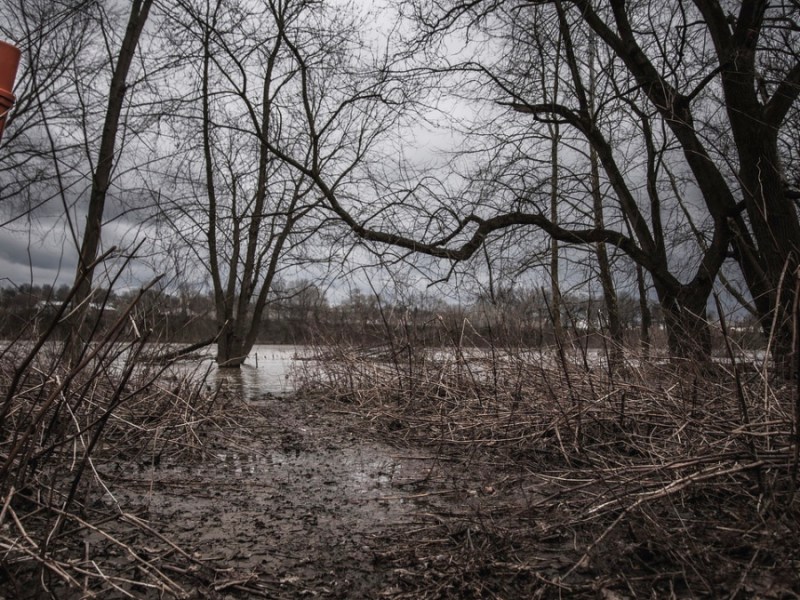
{"x": 685, "y": 318}
{"x": 101, "y": 178}
{"x": 606, "y": 279}
{"x": 604, "y": 266}
{"x": 555, "y": 139}
{"x": 645, "y": 316}
{"x": 555, "y": 288}
{"x": 771, "y": 279}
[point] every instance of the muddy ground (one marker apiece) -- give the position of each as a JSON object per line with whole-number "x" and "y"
{"x": 309, "y": 497}
{"x": 531, "y": 483}
{"x": 301, "y": 500}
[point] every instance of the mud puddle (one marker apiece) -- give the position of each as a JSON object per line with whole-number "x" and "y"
{"x": 287, "y": 496}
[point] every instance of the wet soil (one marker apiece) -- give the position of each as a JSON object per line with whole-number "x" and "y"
{"x": 292, "y": 496}
{"x": 313, "y": 497}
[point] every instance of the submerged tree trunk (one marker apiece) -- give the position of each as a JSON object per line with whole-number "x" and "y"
{"x": 232, "y": 347}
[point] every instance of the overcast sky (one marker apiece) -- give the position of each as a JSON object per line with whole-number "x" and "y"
{"x": 40, "y": 252}
{"x": 38, "y": 255}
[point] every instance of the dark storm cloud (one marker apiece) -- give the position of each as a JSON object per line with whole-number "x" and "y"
{"x": 39, "y": 257}
{"x": 46, "y": 254}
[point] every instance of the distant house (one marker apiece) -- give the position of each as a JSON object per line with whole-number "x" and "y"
{"x": 48, "y": 305}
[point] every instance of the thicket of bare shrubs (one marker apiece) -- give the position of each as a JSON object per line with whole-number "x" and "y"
{"x": 67, "y": 412}
{"x": 654, "y": 478}
{"x": 574, "y": 477}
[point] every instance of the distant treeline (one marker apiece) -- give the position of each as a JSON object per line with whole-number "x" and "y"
{"x": 303, "y": 315}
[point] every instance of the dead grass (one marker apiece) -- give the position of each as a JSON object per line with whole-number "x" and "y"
{"x": 660, "y": 478}
{"x": 64, "y": 411}
{"x": 554, "y": 476}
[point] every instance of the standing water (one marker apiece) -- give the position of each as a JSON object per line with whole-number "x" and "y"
{"x": 267, "y": 370}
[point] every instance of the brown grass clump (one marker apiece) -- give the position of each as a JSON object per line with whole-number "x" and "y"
{"x": 566, "y": 479}
{"x": 68, "y": 413}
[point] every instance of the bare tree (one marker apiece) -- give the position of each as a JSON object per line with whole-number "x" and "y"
{"x": 603, "y": 262}
{"x": 106, "y": 159}
{"x": 554, "y": 130}
{"x": 263, "y": 69}
{"x": 695, "y": 72}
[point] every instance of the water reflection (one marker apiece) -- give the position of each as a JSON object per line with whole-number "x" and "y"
{"x": 360, "y": 469}
{"x": 268, "y": 370}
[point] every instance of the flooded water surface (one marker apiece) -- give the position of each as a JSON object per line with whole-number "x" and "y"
{"x": 267, "y": 370}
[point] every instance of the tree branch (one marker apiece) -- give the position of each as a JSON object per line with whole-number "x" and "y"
{"x": 783, "y": 98}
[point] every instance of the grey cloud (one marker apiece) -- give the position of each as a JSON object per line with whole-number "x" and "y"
{"x": 46, "y": 255}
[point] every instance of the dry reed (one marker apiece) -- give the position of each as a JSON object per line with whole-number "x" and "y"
{"x": 71, "y": 417}
{"x": 570, "y": 479}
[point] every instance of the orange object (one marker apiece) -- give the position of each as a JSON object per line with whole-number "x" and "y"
{"x": 9, "y": 61}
